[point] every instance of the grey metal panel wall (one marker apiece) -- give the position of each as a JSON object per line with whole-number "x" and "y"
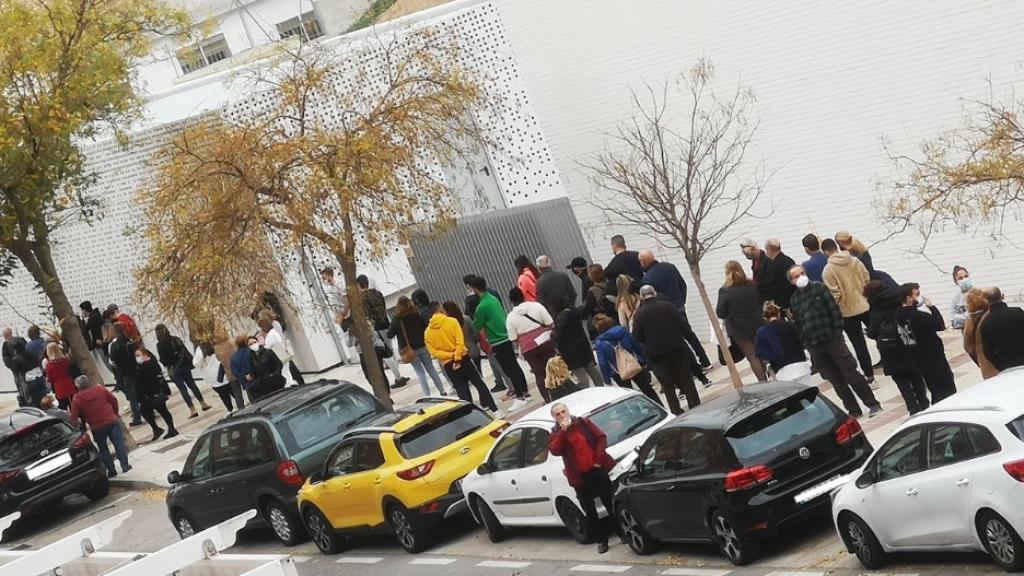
{"x": 486, "y": 244}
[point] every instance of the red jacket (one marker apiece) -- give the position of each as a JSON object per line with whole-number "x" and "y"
{"x": 558, "y": 444}
{"x": 58, "y": 373}
{"x": 96, "y": 405}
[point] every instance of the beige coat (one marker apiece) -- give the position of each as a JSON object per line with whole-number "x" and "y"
{"x": 846, "y": 277}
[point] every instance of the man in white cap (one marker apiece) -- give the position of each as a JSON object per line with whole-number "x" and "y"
{"x": 659, "y": 326}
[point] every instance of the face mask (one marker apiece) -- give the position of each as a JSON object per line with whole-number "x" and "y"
{"x": 254, "y": 347}
{"x": 802, "y": 282}
{"x": 919, "y": 301}
{"x": 966, "y": 284}
{"x": 140, "y": 360}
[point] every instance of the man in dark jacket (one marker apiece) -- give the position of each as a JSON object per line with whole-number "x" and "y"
{"x": 920, "y": 332}
{"x": 624, "y": 262}
{"x": 659, "y": 326}
{"x": 760, "y": 267}
{"x": 554, "y": 289}
{"x": 1002, "y": 332}
{"x": 580, "y": 269}
{"x": 582, "y": 446}
{"x": 896, "y": 362}
{"x": 122, "y": 356}
{"x": 780, "y": 288}
{"x": 93, "y": 331}
{"x": 669, "y": 284}
{"x": 10, "y": 345}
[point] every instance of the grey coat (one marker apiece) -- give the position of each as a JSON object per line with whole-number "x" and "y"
{"x": 555, "y": 291}
{"x": 740, "y": 307}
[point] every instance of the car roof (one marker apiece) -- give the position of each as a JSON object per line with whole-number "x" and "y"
{"x": 20, "y": 418}
{"x": 288, "y": 400}
{"x": 733, "y": 406}
{"x": 999, "y": 395}
{"x": 405, "y": 418}
{"x": 584, "y": 401}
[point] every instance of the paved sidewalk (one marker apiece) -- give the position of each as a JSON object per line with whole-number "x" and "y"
{"x": 152, "y": 461}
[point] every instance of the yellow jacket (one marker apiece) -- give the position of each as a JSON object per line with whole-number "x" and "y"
{"x": 444, "y": 339}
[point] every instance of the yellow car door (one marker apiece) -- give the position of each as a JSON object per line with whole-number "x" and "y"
{"x": 350, "y": 496}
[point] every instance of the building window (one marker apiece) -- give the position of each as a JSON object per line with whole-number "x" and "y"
{"x": 307, "y": 27}
{"x": 203, "y": 54}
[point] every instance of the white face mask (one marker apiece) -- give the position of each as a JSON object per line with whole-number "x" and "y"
{"x": 140, "y": 360}
{"x": 254, "y": 347}
{"x": 802, "y": 281}
{"x": 966, "y": 284}
{"x": 919, "y": 301}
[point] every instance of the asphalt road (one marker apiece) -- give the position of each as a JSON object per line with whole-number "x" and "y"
{"x": 809, "y": 549}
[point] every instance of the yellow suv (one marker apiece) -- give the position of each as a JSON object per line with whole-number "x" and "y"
{"x": 401, "y": 475}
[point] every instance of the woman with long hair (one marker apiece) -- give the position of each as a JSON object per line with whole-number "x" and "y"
{"x": 611, "y": 337}
{"x": 977, "y": 311}
{"x": 409, "y": 326}
{"x": 626, "y": 302}
{"x": 739, "y": 305}
{"x": 58, "y": 374}
{"x": 178, "y": 360}
{"x": 527, "y": 275}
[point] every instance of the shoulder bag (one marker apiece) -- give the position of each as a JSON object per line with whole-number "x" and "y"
{"x": 406, "y": 353}
{"x": 534, "y": 338}
{"x": 626, "y": 365}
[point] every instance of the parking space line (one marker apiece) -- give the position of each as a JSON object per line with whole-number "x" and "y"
{"x": 503, "y": 564}
{"x": 301, "y": 559}
{"x": 606, "y": 568}
{"x": 794, "y": 573}
{"x": 694, "y": 572}
{"x": 358, "y": 560}
{"x": 432, "y": 561}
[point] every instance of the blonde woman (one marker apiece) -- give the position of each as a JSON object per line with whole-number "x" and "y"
{"x": 856, "y": 248}
{"x": 626, "y": 302}
{"x": 58, "y": 374}
{"x": 739, "y": 305}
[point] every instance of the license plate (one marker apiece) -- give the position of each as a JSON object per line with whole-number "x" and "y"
{"x": 49, "y": 466}
{"x": 821, "y": 488}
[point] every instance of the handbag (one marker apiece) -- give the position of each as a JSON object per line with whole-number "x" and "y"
{"x": 626, "y": 365}
{"x": 406, "y": 353}
{"x": 533, "y": 338}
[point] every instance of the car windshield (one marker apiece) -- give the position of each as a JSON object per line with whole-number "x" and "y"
{"x": 766, "y": 431}
{"x": 32, "y": 441}
{"x": 1017, "y": 427}
{"x": 325, "y": 418}
{"x": 445, "y": 429}
{"x": 627, "y": 417}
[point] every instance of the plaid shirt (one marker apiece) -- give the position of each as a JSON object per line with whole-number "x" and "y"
{"x": 817, "y": 315}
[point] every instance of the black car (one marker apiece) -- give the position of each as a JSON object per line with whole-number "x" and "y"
{"x": 43, "y": 459}
{"x": 259, "y": 457}
{"x": 728, "y": 470}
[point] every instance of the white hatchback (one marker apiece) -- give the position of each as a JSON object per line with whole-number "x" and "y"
{"x": 949, "y": 478}
{"x": 521, "y": 484}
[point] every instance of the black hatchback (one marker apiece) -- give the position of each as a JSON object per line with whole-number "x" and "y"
{"x": 727, "y": 471}
{"x": 259, "y": 457}
{"x": 43, "y": 459}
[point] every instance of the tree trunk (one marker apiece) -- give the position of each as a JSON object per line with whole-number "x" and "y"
{"x": 734, "y": 373}
{"x": 364, "y": 332}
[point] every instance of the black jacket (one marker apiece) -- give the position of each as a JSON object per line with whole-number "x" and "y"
{"x": 150, "y": 382}
{"x": 94, "y": 329}
{"x": 625, "y": 262}
{"x": 659, "y": 326}
{"x": 122, "y": 356}
{"x": 895, "y": 357}
{"x": 667, "y": 281}
{"x": 762, "y": 276}
{"x": 266, "y": 372}
{"x": 595, "y": 301}
{"x": 9, "y": 353}
{"x": 781, "y": 289}
{"x": 571, "y": 339}
{"x": 173, "y": 353}
{"x": 925, "y": 329}
{"x": 1002, "y": 336}
{"x": 414, "y": 326}
{"x": 740, "y": 307}
{"x": 555, "y": 291}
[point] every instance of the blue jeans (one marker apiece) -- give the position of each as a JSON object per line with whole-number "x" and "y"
{"x": 183, "y": 379}
{"x": 423, "y": 364}
{"x": 114, "y": 433}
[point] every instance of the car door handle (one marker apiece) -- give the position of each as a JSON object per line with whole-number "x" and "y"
{"x": 912, "y": 492}
{"x": 214, "y": 491}
{"x": 377, "y": 480}
{"x": 347, "y": 485}
{"x": 963, "y": 482}
{"x": 543, "y": 478}
{"x": 513, "y": 481}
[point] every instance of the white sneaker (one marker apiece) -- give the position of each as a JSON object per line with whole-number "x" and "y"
{"x": 873, "y": 384}
{"x": 517, "y": 404}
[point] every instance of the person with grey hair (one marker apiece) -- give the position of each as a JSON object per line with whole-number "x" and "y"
{"x": 780, "y": 289}
{"x": 760, "y": 268}
{"x": 96, "y": 407}
{"x": 658, "y": 326}
{"x": 554, "y": 289}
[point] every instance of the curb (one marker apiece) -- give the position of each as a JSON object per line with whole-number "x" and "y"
{"x": 129, "y": 484}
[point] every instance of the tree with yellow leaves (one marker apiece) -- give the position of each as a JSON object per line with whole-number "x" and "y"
{"x": 345, "y": 159}
{"x": 65, "y": 75}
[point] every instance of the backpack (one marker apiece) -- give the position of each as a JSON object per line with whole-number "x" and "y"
{"x": 906, "y": 333}
{"x": 889, "y": 338}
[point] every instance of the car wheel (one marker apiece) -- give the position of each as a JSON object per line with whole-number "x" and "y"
{"x": 99, "y": 489}
{"x": 574, "y": 520}
{"x": 634, "y": 534}
{"x": 406, "y": 531}
{"x": 1001, "y": 541}
{"x": 284, "y": 523}
{"x": 728, "y": 536}
{"x": 321, "y": 531}
{"x": 863, "y": 542}
{"x": 495, "y": 531}
{"x": 184, "y": 524}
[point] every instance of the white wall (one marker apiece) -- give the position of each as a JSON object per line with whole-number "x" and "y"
{"x": 831, "y": 79}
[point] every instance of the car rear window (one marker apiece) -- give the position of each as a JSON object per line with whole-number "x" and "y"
{"x": 796, "y": 418}
{"x": 441, "y": 431}
{"x": 1017, "y": 427}
{"x": 325, "y": 418}
{"x": 29, "y": 444}
{"x": 627, "y": 417}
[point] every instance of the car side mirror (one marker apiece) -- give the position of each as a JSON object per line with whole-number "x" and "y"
{"x": 866, "y": 479}
{"x": 174, "y": 477}
{"x": 483, "y": 469}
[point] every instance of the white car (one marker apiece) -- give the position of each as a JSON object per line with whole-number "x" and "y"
{"x": 949, "y": 478}
{"x": 521, "y": 484}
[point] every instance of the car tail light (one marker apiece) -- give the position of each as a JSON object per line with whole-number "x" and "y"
{"x": 417, "y": 472}
{"x": 7, "y": 475}
{"x": 497, "y": 431}
{"x": 848, "y": 431}
{"x": 747, "y": 477}
{"x": 288, "y": 472}
{"x": 82, "y": 441}
{"x": 1015, "y": 469}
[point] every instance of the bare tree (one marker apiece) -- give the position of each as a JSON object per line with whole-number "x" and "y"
{"x": 684, "y": 186}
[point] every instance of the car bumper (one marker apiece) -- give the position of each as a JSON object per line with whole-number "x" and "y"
{"x": 441, "y": 508}
{"x": 61, "y": 484}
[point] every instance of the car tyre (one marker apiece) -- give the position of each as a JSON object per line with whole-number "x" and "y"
{"x": 321, "y": 531}
{"x": 863, "y": 542}
{"x": 574, "y": 520}
{"x": 285, "y": 524}
{"x": 739, "y": 550}
{"x": 184, "y": 524}
{"x": 1001, "y": 541}
{"x": 99, "y": 489}
{"x": 495, "y": 531}
{"x": 406, "y": 530}
{"x": 633, "y": 533}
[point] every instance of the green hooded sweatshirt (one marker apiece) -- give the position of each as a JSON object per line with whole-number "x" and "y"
{"x": 490, "y": 317}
